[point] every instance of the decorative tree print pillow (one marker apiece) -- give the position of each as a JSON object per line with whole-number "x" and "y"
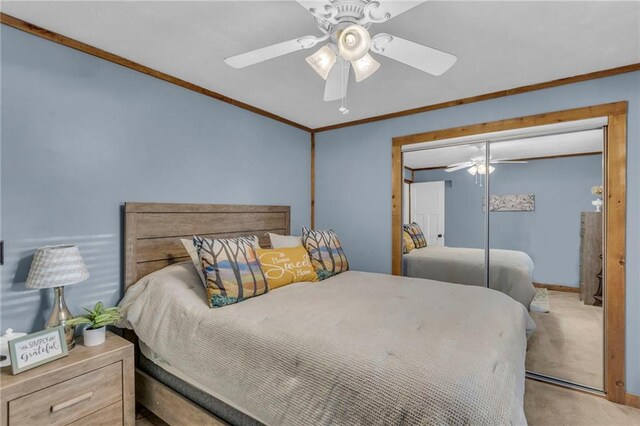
{"x": 407, "y": 242}
{"x": 231, "y": 268}
{"x": 325, "y": 251}
{"x": 416, "y": 234}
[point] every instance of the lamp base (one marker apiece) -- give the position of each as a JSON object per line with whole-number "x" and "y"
{"x": 60, "y": 315}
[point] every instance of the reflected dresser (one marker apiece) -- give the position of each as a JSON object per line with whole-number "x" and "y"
{"x": 590, "y": 257}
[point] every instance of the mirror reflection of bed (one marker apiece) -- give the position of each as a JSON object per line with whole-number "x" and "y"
{"x": 540, "y": 242}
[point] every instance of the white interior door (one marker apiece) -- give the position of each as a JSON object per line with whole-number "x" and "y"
{"x": 405, "y": 203}
{"x": 427, "y": 210}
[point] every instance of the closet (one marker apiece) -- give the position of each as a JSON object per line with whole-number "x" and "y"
{"x": 519, "y": 217}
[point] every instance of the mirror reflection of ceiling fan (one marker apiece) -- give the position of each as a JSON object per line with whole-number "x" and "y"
{"x": 477, "y": 165}
{"x": 345, "y": 24}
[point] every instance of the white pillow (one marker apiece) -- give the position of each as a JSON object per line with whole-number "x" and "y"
{"x": 193, "y": 253}
{"x": 284, "y": 241}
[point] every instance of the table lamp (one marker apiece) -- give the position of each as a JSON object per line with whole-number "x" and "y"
{"x": 58, "y": 266}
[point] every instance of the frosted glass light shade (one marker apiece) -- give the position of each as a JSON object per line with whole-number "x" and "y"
{"x": 354, "y": 42}
{"x": 480, "y": 169}
{"x": 55, "y": 266}
{"x": 322, "y": 61}
{"x": 364, "y": 67}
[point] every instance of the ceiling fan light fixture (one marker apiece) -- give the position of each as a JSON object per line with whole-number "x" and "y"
{"x": 354, "y": 42}
{"x": 322, "y": 61}
{"x": 472, "y": 170}
{"x": 481, "y": 169}
{"x": 365, "y": 67}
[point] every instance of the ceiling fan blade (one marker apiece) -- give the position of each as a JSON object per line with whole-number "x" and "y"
{"x": 381, "y": 11}
{"x": 321, "y": 9}
{"x": 419, "y": 56}
{"x": 273, "y": 51}
{"x": 336, "y": 86}
{"x": 460, "y": 167}
{"x": 461, "y": 163}
{"x": 508, "y": 162}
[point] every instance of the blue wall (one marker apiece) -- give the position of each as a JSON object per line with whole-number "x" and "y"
{"x": 80, "y": 136}
{"x": 550, "y": 234}
{"x": 353, "y": 177}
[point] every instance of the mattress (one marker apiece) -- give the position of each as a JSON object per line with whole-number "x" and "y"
{"x": 187, "y": 387}
{"x": 357, "y": 348}
{"x": 510, "y": 271}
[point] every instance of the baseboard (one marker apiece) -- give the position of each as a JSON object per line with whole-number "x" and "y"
{"x": 632, "y": 400}
{"x": 557, "y": 287}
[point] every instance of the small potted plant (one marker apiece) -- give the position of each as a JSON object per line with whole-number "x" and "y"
{"x": 97, "y": 320}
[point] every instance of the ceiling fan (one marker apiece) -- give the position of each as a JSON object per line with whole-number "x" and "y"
{"x": 345, "y": 24}
{"x": 477, "y": 165}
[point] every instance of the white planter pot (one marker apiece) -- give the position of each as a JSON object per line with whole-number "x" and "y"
{"x": 598, "y": 204}
{"x": 94, "y": 337}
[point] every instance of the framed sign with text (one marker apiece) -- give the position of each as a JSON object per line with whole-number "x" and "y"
{"x": 37, "y": 348}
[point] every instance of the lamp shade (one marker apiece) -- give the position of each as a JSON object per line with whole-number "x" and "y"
{"x": 55, "y": 266}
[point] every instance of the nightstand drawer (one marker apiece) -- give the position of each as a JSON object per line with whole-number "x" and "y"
{"x": 70, "y": 400}
{"x": 109, "y": 416}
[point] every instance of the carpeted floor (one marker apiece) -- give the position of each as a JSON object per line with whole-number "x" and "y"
{"x": 568, "y": 342}
{"x": 551, "y": 405}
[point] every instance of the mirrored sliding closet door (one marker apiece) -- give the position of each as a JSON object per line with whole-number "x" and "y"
{"x": 443, "y": 191}
{"x": 519, "y": 212}
{"x": 545, "y": 229}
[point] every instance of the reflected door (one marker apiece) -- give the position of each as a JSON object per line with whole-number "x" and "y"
{"x": 427, "y": 210}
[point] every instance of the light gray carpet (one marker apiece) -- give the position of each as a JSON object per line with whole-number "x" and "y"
{"x": 568, "y": 342}
{"x": 546, "y": 404}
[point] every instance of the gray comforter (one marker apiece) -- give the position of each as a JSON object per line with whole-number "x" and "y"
{"x": 355, "y": 349}
{"x": 510, "y": 271}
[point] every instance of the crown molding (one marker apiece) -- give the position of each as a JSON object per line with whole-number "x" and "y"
{"x": 499, "y": 94}
{"x": 107, "y": 56}
{"x": 94, "y": 51}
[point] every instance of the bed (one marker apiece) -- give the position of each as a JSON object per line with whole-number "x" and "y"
{"x": 357, "y": 348}
{"x": 510, "y": 271}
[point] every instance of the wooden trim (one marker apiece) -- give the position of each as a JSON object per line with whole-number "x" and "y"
{"x": 499, "y": 94}
{"x": 614, "y": 208}
{"x": 313, "y": 179}
{"x": 169, "y": 405}
{"x": 548, "y": 157}
{"x": 408, "y": 181}
{"x": 557, "y": 287}
{"x": 396, "y": 209}
{"x": 107, "y": 56}
{"x": 94, "y": 51}
{"x": 575, "y": 114}
{"x": 632, "y": 400}
{"x": 102, "y": 54}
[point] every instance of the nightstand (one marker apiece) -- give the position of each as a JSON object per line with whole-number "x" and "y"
{"x": 90, "y": 386}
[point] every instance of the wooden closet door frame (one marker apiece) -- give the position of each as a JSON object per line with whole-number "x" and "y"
{"x": 615, "y": 206}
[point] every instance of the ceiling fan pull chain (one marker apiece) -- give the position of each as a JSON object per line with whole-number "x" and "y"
{"x": 343, "y": 108}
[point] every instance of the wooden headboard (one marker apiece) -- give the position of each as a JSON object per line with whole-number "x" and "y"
{"x": 153, "y": 230}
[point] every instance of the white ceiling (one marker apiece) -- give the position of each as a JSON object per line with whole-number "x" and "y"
{"x": 533, "y": 147}
{"x": 500, "y": 45}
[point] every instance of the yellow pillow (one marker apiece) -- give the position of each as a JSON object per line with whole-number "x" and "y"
{"x": 285, "y": 266}
{"x": 408, "y": 242}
